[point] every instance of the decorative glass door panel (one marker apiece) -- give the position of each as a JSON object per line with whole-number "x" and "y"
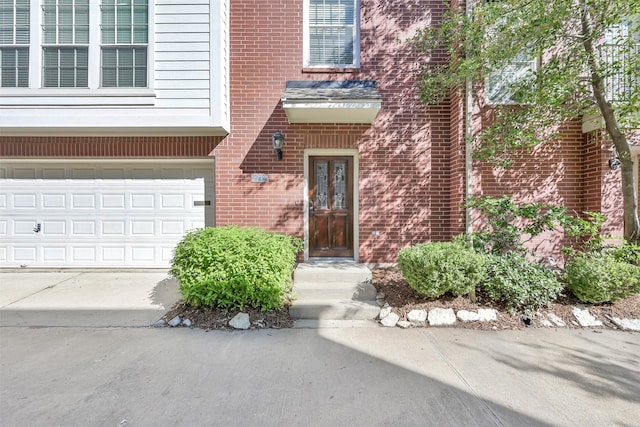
{"x": 331, "y": 207}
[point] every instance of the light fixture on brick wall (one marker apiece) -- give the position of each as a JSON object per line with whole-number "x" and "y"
{"x": 278, "y": 142}
{"x": 614, "y": 162}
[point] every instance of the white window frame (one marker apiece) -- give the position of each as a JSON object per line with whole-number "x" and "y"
{"x": 95, "y": 62}
{"x": 307, "y": 42}
{"x": 505, "y": 97}
{"x": 15, "y": 46}
{"x": 619, "y": 87}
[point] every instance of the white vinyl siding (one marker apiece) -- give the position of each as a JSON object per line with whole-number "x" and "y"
{"x": 160, "y": 72}
{"x": 14, "y": 43}
{"x": 332, "y": 33}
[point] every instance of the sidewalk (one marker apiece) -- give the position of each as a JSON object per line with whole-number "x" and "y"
{"x": 94, "y": 298}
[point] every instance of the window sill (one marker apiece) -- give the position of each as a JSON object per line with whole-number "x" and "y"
{"x": 18, "y": 97}
{"x": 330, "y": 70}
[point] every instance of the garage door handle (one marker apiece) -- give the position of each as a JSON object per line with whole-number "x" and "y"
{"x": 37, "y": 228}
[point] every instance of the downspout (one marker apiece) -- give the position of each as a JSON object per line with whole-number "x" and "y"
{"x": 468, "y": 135}
{"x": 468, "y": 159}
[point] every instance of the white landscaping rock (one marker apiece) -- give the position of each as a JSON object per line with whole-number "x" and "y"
{"x": 584, "y": 318}
{"x": 240, "y": 321}
{"x": 546, "y": 323}
{"x": 488, "y": 314}
{"x": 384, "y": 311}
{"x": 175, "y": 321}
{"x": 626, "y": 324}
{"x": 187, "y": 322}
{"x": 390, "y": 320}
{"x": 468, "y": 316}
{"x": 403, "y": 324}
{"x": 555, "y": 319}
{"x": 442, "y": 317}
{"x": 417, "y": 317}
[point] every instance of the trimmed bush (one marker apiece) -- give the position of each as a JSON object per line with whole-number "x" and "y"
{"x": 519, "y": 284}
{"x": 627, "y": 252}
{"x": 434, "y": 269}
{"x": 597, "y": 278}
{"x": 234, "y": 267}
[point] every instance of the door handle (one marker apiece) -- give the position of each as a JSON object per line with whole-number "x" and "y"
{"x": 311, "y": 208}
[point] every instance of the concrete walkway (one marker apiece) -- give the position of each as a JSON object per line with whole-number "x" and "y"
{"x": 85, "y": 298}
{"x": 318, "y": 377}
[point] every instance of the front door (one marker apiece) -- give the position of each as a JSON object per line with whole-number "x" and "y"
{"x": 331, "y": 207}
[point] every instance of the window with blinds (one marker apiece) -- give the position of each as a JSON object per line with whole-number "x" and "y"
{"x": 14, "y": 43}
{"x": 65, "y": 41}
{"x": 500, "y": 85}
{"x": 333, "y": 38}
{"x": 124, "y": 38}
{"x": 620, "y": 49}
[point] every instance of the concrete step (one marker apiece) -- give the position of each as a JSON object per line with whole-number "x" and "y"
{"x": 331, "y": 272}
{"x": 332, "y": 309}
{"x": 363, "y": 291}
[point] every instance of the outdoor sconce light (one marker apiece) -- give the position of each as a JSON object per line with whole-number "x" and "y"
{"x": 614, "y": 162}
{"x": 278, "y": 142}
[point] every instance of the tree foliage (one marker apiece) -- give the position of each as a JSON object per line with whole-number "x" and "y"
{"x": 588, "y": 61}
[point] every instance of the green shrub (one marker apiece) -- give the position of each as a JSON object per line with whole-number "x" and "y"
{"x": 434, "y": 269}
{"x": 519, "y": 284}
{"x": 598, "y": 278}
{"x": 627, "y": 252}
{"x": 233, "y": 267}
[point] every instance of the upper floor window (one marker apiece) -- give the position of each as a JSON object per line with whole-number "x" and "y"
{"x": 500, "y": 85}
{"x": 82, "y": 43}
{"x": 14, "y": 43}
{"x": 621, "y": 46}
{"x": 332, "y": 33}
{"x": 65, "y": 43}
{"x": 124, "y": 34}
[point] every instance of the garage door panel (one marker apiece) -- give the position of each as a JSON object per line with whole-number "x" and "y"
{"x": 54, "y": 254}
{"x": 24, "y": 201}
{"x": 94, "y": 215}
{"x": 54, "y": 201}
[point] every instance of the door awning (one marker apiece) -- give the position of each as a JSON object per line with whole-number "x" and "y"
{"x": 348, "y": 101}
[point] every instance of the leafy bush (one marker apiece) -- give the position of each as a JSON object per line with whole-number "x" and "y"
{"x": 598, "y": 278}
{"x": 519, "y": 284}
{"x": 233, "y": 267}
{"x": 508, "y": 225}
{"x": 434, "y": 269}
{"x": 627, "y": 252}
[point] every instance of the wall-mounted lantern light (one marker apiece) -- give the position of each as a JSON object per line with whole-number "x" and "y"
{"x": 278, "y": 142}
{"x": 614, "y": 161}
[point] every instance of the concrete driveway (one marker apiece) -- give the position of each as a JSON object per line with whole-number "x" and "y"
{"x": 318, "y": 377}
{"x": 85, "y": 297}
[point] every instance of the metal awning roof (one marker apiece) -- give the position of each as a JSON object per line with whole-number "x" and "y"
{"x": 348, "y": 101}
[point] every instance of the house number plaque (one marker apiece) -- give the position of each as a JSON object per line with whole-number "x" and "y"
{"x": 259, "y": 177}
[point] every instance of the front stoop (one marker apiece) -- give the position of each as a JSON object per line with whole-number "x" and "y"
{"x": 333, "y": 291}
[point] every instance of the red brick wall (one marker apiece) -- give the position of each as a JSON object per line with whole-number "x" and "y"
{"x": 550, "y": 173}
{"x": 404, "y": 156}
{"x": 107, "y": 147}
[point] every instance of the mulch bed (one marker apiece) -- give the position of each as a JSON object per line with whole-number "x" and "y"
{"x": 402, "y": 298}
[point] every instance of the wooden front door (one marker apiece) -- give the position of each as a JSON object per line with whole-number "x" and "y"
{"x": 331, "y": 207}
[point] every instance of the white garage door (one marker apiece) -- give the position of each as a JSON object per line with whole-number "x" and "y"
{"x": 100, "y": 214}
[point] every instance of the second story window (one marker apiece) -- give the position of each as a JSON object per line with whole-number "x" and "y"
{"x": 124, "y": 38}
{"x": 332, "y": 37}
{"x": 14, "y": 43}
{"x": 621, "y": 46}
{"x": 500, "y": 84}
{"x": 65, "y": 43}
